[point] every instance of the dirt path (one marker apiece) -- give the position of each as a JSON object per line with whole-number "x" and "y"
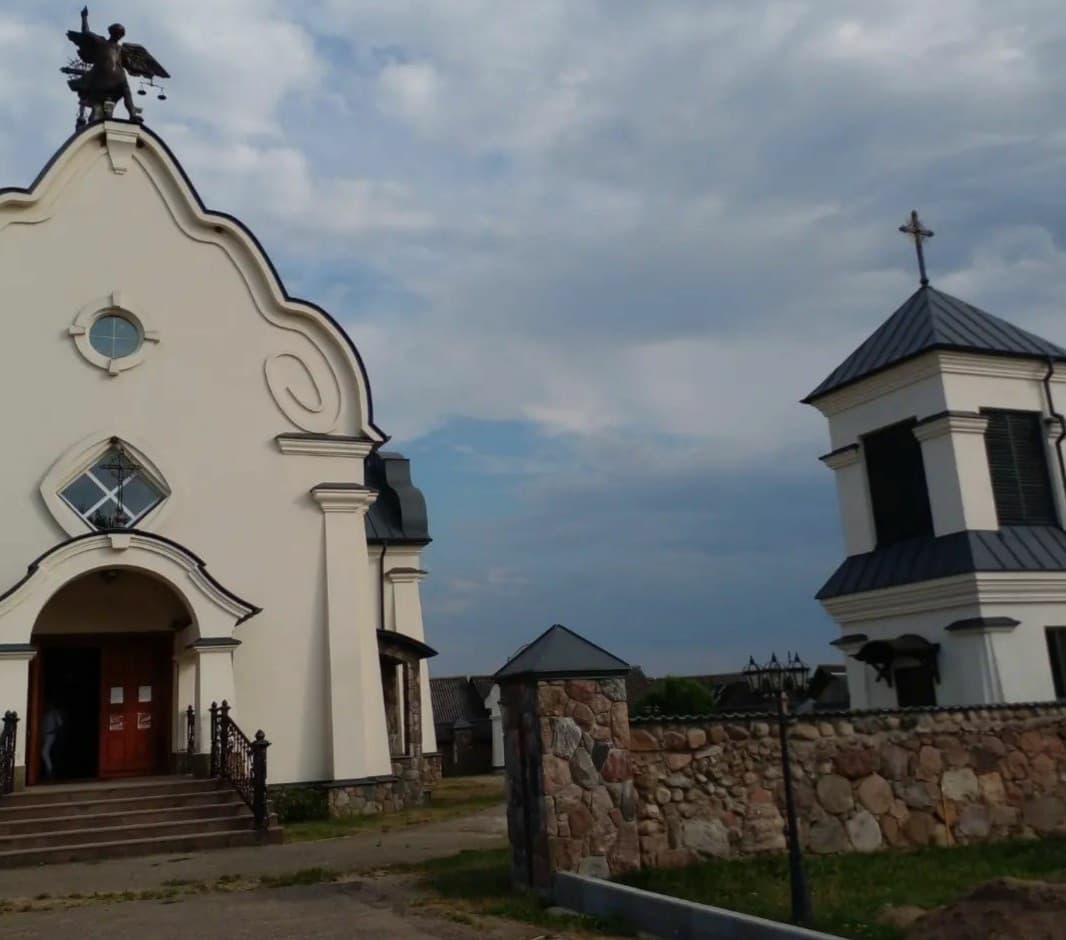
{"x": 374, "y": 909}
{"x": 360, "y": 852}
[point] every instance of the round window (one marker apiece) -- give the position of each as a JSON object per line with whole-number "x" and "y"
{"x": 114, "y": 336}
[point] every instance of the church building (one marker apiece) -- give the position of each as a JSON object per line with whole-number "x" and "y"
{"x": 198, "y": 504}
{"x": 946, "y": 437}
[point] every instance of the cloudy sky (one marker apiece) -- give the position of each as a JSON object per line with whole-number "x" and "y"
{"x": 594, "y": 252}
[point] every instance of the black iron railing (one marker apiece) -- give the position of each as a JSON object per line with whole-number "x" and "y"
{"x": 190, "y": 732}
{"x": 239, "y": 761}
{"x": 7, "y": 752}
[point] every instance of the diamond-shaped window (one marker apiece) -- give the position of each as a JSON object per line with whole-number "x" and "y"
{"x": 114, "y": 493}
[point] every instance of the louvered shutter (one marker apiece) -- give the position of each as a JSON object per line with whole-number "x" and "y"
{"x": 1017, "y": 464}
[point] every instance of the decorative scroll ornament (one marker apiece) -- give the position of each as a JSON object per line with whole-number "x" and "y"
{"x": 309, "y": 398}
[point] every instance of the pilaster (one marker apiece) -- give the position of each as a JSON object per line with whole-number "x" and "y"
{"x": 185, "y": 695}
{"x": 214, "y": 682}
{"x": 407, "y": 619}
{"x": 357, "y": 724}
{"x": 1053, "y": 430}
{"x": 853, "y": 496}
{"x": 956, "y": 471}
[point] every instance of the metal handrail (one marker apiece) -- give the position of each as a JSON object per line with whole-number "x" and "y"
{"x": 239, "y": 761}
{"x": 8, "y": 737}
{"x": 190, "y": 732}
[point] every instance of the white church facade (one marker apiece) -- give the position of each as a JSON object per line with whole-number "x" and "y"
{"x": 198, "y": 505}
{"x": 946, "y": 440}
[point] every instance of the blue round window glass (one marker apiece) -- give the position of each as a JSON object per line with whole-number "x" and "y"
{"x": 114, "y": 336}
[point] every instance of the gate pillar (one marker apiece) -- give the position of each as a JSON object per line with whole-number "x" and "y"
{"x": 571, "y": 801}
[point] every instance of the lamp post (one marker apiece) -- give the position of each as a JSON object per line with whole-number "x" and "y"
{"x": 778, "y": 680}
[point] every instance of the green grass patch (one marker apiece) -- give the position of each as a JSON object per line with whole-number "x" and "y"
{"x": 451, "y": 799}
{"x": 849, "y": 891}
{"x": 478, "y": 881}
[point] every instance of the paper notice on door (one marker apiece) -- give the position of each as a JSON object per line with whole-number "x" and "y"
{"x": 144, "y": 693}
{"x": 116, "y": 695}
{"x": 144, "y": 720}
{"x": 116, "y": 722}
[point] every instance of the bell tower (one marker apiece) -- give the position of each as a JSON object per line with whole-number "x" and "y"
{"x": 946, "y": 448}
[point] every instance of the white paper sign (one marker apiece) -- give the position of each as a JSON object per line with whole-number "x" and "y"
{"x": 144, "y": 693}
{"x": 116, "y": 695}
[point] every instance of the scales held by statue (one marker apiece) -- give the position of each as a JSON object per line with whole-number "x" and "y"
{"x": 101, "y": 71}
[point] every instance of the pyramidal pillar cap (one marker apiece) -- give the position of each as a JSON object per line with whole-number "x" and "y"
{"x": 560, "y": 653}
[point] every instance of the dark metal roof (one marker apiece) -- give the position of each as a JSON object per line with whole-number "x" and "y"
{"x": 398, "y": 515}
{"x": 1011, "y": 548}
{"x": 559, "y": 651}
{"x": 401, "y": 646}
{"x": 930, "y": 319}
{"x": 982, "y": 623}
{"x": 455, "y": 699}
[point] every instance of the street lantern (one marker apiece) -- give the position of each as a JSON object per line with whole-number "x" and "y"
{"x": 778, "y": 681}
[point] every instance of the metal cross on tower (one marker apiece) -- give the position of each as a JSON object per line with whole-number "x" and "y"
{"x": 919, "y": 233}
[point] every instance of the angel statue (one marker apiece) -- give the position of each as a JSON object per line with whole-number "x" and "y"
{"x": 100, "y": 72}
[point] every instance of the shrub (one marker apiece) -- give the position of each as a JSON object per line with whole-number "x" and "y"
{"x": 675, "y": 695}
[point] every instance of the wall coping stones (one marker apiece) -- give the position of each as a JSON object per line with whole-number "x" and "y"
{"x": 1052, "y": 705}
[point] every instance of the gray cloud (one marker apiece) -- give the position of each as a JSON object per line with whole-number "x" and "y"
{"x": 646, "y": 229}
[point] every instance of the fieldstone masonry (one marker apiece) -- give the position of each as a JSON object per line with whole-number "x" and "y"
{"x": 863, "y": 782}
{"x": 588, "y": 793}
{"x": 412, "y": 780}
{"x": 571, "y": 800}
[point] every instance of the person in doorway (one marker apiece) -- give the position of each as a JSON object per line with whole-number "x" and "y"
{"x": 51, "y": 723}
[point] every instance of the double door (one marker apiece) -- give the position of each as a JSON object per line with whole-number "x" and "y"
{"x": 135, "y": 679}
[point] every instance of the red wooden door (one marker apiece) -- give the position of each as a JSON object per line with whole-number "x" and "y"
{"x": 135, "y": 693}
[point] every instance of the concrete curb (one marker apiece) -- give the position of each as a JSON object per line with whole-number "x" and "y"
{"x": 668, "y": 917}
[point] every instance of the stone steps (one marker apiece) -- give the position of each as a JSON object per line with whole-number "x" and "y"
{"x": 95, "y": 820}
{"x": 95, "y": 851}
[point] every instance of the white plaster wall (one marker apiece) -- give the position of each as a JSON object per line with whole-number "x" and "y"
{"x": 492, "y": 703}
{"x": 1022, "y": 654}
{"x": 199, "y": 403}
{"x": 916, "y": 400}
{"x": 959, "y": 670}
{"x": 981, "y": 668}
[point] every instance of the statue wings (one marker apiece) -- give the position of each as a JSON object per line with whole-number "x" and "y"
{"x": 140, "y": 62}
{"x": 136, "y": 60}
{"x": 85, "y": 43}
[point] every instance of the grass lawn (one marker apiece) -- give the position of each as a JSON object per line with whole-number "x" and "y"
{"x": 452, "y": 797}
{"x": 849, "y": 890}
{"x": 478, "y": 881}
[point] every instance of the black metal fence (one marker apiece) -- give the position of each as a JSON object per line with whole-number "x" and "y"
{"x": 240, "y": 761}
{"x": 7, "y": 752}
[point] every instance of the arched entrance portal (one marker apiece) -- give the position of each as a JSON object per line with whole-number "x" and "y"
{"x": 128, "y": 601}
{"x": 102, "y": 684}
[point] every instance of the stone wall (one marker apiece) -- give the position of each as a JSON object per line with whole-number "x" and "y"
{"x": 862, "y": 781}
{"x": 412, "y": 780}
{"x": 572, "y": 804}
